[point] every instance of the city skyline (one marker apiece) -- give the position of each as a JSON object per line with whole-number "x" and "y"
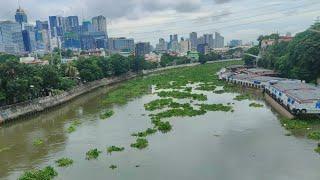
{"x": 154, "y": 20}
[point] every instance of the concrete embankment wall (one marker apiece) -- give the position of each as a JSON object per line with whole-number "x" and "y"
{"x": 281, "y": 110}
{"x": 15, "y": 111}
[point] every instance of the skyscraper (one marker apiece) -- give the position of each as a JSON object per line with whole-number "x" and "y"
{"x": 194, "y": 40}
{"x": 99, "y": 24}
{"x": 11, "y": 37}
{"x": 121, "y": 44}
{"x": 72, "y": 24}
{"x": 162, "y": 46}
{"x": 142, "y": 48}
{"x": 219, "y": 40}
{"x": 21, "y": 17}
{"x": 208, "y": 39}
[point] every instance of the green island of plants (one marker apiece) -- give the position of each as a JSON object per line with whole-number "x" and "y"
{"x": 140, "y": 143}
{"x": 107, "y": 114}
{"x": 93, "y": 154}
{"x": 179, "y": 112}
{"x": 158, "y": 104}
{"x": 215, "y": 107}
{"x": 4, "y": 149}
{"x": 314, "y": 135}
{"x": 182, "y": 95}
{"x": 73, "y": 126}
{"x": 219, "y": 91}
{"x": 38, "y": 142}
{"x": 164, "y": 127}
{"x": 113, "y": 166}
{"x": 64, "y": 162}
{"x": 242, "y": 97}
{"x": 114, "y": 149}
{"x": 206, "y": 87}
{"x": 294, "y": 124}
{"x": 145, "y": 133}
{"x": 317, "y": 149}
{"x": 39, "y": 174}
{"x": 256, "y": 105}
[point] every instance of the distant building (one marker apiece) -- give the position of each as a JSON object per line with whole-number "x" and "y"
{"x": 57, "y": 25}
{"x": 193, "y": 55}
{"x": 235, "y": 43}
{"x": 121, "y": 44}
{"x": 219, "y": 41}
{"x": 21, "y": 17}
{"x": 72, "y": 24}
{"x": 29, "y": 40}
{"x": 194, "y": 40}
{"x": 185, "y": 46}
{"x": 202, "y": 48}
{"x": 162, "y": 46}
{"x": 11, "y": 40}
{"x": 99, "y": 24}
{"x": 208, "y": 39}
{"x": 142, "y": 48}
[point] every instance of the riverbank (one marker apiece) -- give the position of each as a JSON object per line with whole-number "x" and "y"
{"x": 11, "y": 112}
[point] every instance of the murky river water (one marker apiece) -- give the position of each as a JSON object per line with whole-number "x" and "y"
{"x": 249, "y": 144}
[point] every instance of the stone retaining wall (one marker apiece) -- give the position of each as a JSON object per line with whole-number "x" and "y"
{"x": 15, "y": 111}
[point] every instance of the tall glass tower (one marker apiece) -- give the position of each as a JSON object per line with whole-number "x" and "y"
{"x": 21, "y": 16}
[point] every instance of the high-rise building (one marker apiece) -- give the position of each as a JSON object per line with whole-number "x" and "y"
{"x": 162, "y": 46}
{"x": 142, "y": 48}
{"x": 174, "y": 43}
{"x": 72, "y": 24}
{"x": 121, "y": 44}
{"x": 86, "y": 27}
{"x": 21, "y": 17}
{"x": 29, "y": 40}
{"x": 41, "y": 25}
{"x": 194, "y": 40}
{"x": 219, "y": 41}
{"x": 99, "y": 24}
{"x": 208, "y": 39}
{"x": 235, "y": 43}
{"x": 185, "y": 46}
{"x": 11, "y": 37}
{"x": 57, "y": 25}
{"x": 201, "y": 48}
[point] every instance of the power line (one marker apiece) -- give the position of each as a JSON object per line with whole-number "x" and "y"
{"x": 237, "y": 19}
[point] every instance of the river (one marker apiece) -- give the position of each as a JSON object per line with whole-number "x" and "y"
{"x": 249, "y": 144}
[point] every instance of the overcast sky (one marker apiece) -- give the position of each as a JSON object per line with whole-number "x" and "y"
{"x": 148, "y": 20}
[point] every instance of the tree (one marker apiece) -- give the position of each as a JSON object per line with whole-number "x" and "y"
{"x": 120, "y": 64}
{"x": 248, "y": 60}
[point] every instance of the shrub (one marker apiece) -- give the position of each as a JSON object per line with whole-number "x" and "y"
{"x": 39, "y": 174}
{"x": 63, "y": 162}
{"x": 92, "y": 154}
{"x": 140, "y": 143}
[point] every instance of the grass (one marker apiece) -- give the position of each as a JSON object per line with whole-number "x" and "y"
{"x": 242, "y": 97}
{"x": 215, "y": 107}
{"x": 256, "y": 105}
{"x": 39, "y": 174}
{"x": 93, "y": 154}
{"x": 64, "y": 162}
{"x": 182, "y": 95}
{"x": 314, "y": 135}
{"x": 38, "y": 142}
{"x": 140, "y": 143}
{"x": 145, "y": 133}
{"x": 107, "y": 114}
{"x": 114, "y": 149}
{"x": 113, "y": 166}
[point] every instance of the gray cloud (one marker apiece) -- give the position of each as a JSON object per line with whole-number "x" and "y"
{"x": 221, "y": 1}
